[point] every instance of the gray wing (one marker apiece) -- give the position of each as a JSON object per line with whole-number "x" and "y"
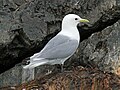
{"x": 58, "y": 47}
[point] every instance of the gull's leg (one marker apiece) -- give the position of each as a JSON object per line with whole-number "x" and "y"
{"x": 28, "y": 75}
{"x": 24, "y": 74}
{"x": 32, "y": 73}
{"x": 62, "y": 67}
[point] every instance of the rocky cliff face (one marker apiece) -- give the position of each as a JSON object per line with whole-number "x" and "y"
{"x": 27, "y": 25}
{"x": 102, "y": 49}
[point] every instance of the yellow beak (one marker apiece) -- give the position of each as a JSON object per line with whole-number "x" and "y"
{"x": 84, "y": 20}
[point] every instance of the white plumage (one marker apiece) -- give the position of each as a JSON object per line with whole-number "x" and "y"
{"x": 60, "y": 47}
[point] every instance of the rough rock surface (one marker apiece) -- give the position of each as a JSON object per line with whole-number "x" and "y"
{"x": 102, "y": 49}
{"x": 27, "y": 25}
{"x": 78, "y": 79}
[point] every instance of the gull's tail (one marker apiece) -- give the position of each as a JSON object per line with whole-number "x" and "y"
{"x": 36, "y": 62}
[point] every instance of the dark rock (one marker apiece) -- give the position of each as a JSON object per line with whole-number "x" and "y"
{"x": 27, "y": 25}
{"x": 102, "y": 49}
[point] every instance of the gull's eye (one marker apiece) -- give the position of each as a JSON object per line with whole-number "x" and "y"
{"x": 76, "y": 18}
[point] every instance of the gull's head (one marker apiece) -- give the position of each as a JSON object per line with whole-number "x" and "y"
{"x": 71, "y": 20}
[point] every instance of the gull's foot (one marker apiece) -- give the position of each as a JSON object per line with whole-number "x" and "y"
{"x": 63, "y": 69}
{"x": 68, "y": 71}
{"x": 59, "y": 68}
